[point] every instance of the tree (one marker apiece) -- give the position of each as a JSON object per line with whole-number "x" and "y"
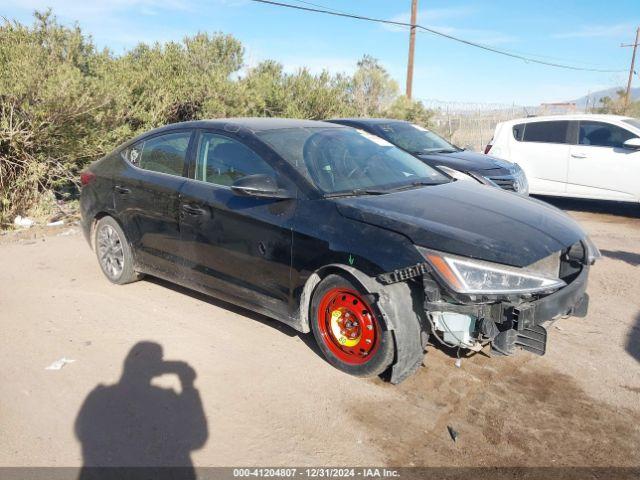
{"x": 372, "y": 88}
{"x": 412, "y": 111}
{"x": 49, "y": 96}
{"x": 617, "y": 106}
{"x": 272, "y": 92}
{"x": 64, "y": 104}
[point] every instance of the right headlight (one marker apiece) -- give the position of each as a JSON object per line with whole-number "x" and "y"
{"x": 465, "y": 275}
{"x": 522, "y": 184}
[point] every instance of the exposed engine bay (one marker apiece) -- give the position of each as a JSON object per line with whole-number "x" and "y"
{"x": 506, "y": 321}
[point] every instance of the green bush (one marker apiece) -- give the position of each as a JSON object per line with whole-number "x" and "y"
{"x": 64, "y": 104}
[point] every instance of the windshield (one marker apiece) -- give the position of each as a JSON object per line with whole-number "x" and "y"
{"x": 415, "y": 139}
{"x": 347, "y": 160}
{"x": 634, "y": 122}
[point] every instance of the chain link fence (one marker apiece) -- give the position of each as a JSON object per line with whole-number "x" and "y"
{"x": 472, "y": 125}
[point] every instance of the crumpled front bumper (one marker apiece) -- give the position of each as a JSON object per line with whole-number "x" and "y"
{"x": 520, "y": 324}
{"x": 571, "y": 300}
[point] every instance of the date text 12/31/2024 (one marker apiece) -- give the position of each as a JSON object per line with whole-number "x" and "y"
{"x": 316, "y": 472}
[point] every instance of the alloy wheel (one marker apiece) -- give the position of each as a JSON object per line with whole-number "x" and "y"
{"x": 110, "y": 251}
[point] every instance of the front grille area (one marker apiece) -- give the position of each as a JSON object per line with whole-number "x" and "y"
{"x": 506, "y": 183}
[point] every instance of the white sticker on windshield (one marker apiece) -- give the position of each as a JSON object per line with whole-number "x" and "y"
{"x": 380, "y": 141}
{"x": 420, "y": 128}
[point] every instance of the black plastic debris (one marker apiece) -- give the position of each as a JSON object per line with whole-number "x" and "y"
{"x": 452, "y": 433}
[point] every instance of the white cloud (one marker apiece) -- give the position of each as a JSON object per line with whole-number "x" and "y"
{"x": 119, "y": 24}
{"x": 316, "y": 64}
{"x": 80, "y": 11}
{"x": 432, "y": 15}
{"x": 428, "y": 16}
{"x": 318, "y": 55}
{"x": 485, "y": 37}
{"x": 594, "y": 31}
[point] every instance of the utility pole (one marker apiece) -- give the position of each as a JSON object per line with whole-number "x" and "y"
{"x": 631, "y": 71}
{"x": 412, "y": 46}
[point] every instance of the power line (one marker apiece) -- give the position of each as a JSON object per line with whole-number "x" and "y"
{"x": 510, "y": 50}
{"x": 436, "y": 32}
{"x": 529, "y": 54}
{"x": 324, "y": 7}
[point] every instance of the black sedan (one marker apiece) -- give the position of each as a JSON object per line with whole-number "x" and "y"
{"x": 329, "y": 229}
{"x": 437, "y": 152}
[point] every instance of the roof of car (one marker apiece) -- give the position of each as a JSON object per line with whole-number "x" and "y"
{"x": 255, "y": 124}
{"x": 572, "y": 116}
{"x": 370, "y": 121}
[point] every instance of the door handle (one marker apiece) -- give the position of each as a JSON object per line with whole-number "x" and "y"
{"x": 121, "y": 190}
{"x": 579, "y": 155}
{"x": 192, "y": 209}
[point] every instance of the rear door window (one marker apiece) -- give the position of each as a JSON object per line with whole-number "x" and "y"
{"x": 222, "y": 160}
{"x": 600, "y": 134}
{"x": 163, "y": 153}
{"x": 546, "y": 132}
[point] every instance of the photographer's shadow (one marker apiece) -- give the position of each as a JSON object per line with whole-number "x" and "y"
{"x": 135, "y": 424}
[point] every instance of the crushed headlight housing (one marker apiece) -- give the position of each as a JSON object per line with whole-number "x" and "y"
{"x": 464, "y": 275}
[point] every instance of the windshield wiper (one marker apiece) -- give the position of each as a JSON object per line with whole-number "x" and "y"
{"x": 428, "y": 151}
{"x": 416, "y": 184}
{"x": 355, "y": 193}
{"x": 369, "y": 191}
{"x": 443, "y": 150}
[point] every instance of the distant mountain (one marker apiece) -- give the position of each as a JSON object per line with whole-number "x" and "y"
{"x": 594, "y": 97}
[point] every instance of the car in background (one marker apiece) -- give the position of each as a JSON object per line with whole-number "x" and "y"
{"x": 583, "y": 156}
{"x": 437, "y": 152}
{"x": 334, "y": 231}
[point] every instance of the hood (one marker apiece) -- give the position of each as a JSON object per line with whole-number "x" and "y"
{"x": 469, "y": 220}
{"x": 465, "y": 160}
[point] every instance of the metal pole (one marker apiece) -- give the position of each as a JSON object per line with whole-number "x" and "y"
{"x": 633, "y": 62}
{"x": 412, "y": 46}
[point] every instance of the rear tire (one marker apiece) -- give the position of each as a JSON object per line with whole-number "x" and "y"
{"x": 349, "y": 329}
{"x": 114, "y": 253}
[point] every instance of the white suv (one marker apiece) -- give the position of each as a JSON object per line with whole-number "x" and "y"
{"x": 585, "y": 156}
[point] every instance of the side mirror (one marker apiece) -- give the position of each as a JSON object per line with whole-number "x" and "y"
{"x": 259, "y": 185}
{"x": 632, "y": 144}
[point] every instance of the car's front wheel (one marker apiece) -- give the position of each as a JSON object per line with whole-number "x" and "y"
{"x": 349, "y": 329}
{"x": 113, "y": 252}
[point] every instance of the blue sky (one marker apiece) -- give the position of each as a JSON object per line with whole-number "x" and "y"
{"x": 585, "y": 33}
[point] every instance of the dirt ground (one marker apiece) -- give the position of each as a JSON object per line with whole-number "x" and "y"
{"x": 264, "y": 396}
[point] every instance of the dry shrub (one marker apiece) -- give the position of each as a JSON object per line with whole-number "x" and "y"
{"x": 64, "y": 104}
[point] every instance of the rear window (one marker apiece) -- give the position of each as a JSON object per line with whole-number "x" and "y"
{"x": 163, "y": 153}
{"x": 545, "y": 132}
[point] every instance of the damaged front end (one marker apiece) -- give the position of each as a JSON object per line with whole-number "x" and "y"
{"x": 470, "y": 303}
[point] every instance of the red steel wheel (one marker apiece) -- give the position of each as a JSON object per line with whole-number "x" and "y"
{"x": 348, "y": 325}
